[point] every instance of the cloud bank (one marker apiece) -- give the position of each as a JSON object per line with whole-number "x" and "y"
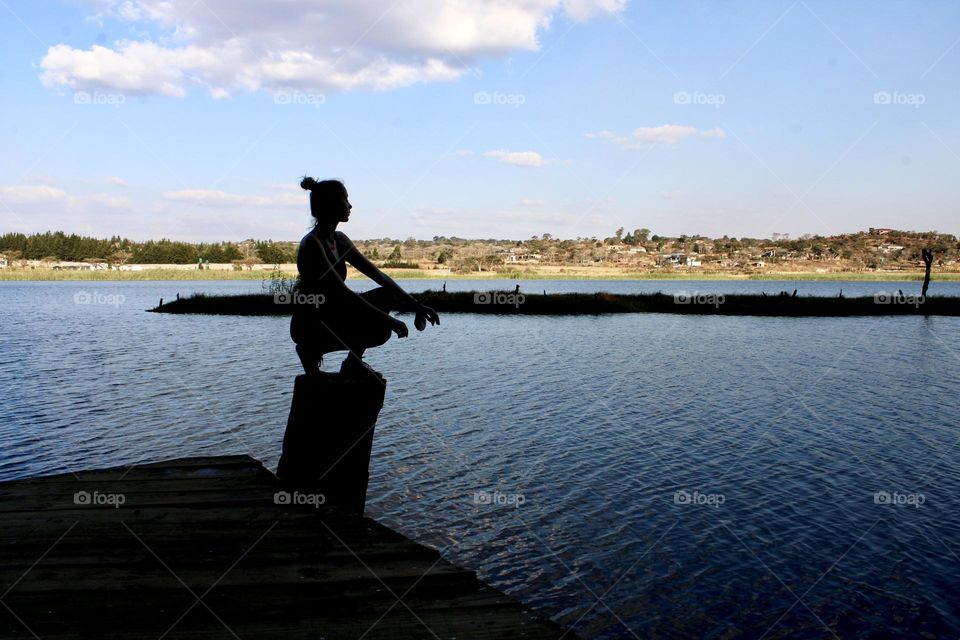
{"x": 228, "y": 46}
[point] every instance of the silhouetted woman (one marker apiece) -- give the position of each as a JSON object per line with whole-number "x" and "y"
{"x": 345, "y": 320}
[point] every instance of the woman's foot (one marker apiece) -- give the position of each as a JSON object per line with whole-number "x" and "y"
{"x": 310, "y": 361}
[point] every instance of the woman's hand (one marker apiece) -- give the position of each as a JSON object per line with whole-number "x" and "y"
{"x": 399, "y": 327}
{"x": 425, "y": 313}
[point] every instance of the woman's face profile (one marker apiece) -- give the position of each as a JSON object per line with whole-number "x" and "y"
{"x": 342, "y": 207}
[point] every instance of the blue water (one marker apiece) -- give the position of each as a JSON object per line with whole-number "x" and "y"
{"x": 654, "y": 475}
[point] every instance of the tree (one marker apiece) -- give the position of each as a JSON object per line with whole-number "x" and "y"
{"x": 619, "y": 234}
{"x": 250, "y": 262}
{"x": 272, "y": 253}
{"x": 395, "y": 255}
{"x": 119, "y": 257}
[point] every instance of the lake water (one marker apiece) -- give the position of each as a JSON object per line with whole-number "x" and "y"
{"x": 649, "y": 474}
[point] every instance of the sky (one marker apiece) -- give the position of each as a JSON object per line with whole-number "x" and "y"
{"x": 195, "y": 119}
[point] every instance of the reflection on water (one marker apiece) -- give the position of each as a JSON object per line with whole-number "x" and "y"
{"x": 678, "y": 476}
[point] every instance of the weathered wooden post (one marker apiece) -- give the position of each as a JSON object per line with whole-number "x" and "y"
{"x": 326, "y": 447}
{"x": 927, "y": 255}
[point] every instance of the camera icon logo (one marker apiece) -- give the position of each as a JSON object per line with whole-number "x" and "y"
{"x": 882, "y": 97}
{"x": 82, "y": 297}
{"x": 681, "y": 97}
{"x": 281, "y": 497}
{"x": 482, "y": 97}
{"x": 81, "y": 497}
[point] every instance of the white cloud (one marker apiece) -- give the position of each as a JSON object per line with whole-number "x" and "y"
{"x": 222, "y": 199}
{"x": 531, "y": 202}
{"x": 117, "y": 180}
{"x": 339, "y": 45}
{"x": 30, "y": 194}
{"x": 517, "y": 158}
{"x": 665, "y": 134}
{"x": 32, "y": 207}
{"x": 581, "y": 10}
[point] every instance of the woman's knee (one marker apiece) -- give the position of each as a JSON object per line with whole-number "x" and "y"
{"x": 379, "y": 337}
{"x": 381, "y": 297}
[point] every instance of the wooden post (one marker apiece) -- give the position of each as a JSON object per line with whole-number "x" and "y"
{"x": 927, "y": 255}
{"x": 326, "y": 447}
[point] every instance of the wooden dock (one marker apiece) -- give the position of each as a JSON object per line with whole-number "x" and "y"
{"x": 205, "y": 548}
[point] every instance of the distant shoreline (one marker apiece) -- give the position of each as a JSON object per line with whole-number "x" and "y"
{"x": 561, "y": 273}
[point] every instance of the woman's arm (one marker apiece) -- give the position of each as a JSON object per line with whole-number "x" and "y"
{"x": 367, "y": 268}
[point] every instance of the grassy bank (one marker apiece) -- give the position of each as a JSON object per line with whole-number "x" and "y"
{"x": 423, "y": 274}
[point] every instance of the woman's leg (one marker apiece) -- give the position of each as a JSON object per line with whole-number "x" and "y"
{"x": 386, "y": 300}
{"x": 316, "y": 335}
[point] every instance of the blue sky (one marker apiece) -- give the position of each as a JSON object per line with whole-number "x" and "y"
{"x": 194, "y": 120}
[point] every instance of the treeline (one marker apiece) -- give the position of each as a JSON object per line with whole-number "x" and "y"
{"x": 56, "y": 245}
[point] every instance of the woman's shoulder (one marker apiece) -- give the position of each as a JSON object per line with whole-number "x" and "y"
{"x": 308, "y": 238}
{"x": 342, "y": 239}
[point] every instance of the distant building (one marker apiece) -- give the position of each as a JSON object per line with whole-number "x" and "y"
{"x": 889, "y": 248}
{"x": 880, "y": 231}
{"x": 73, "y": 266}
{"x": 672, "y": 259}
{"x": 512, "y": 255}
{"x": 3, "y": 261}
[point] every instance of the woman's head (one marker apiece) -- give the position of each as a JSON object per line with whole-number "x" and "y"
{"x": 329, "y": 202}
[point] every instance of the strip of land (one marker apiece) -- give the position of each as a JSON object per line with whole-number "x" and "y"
{"x": 556, "y": 304}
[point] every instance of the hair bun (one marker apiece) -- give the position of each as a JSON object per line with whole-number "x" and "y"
{"x": 308, "y": 183}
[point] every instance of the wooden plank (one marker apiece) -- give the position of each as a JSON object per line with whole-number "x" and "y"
{"x": 172, "y": 467}
{"x": 210, "y": 526}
